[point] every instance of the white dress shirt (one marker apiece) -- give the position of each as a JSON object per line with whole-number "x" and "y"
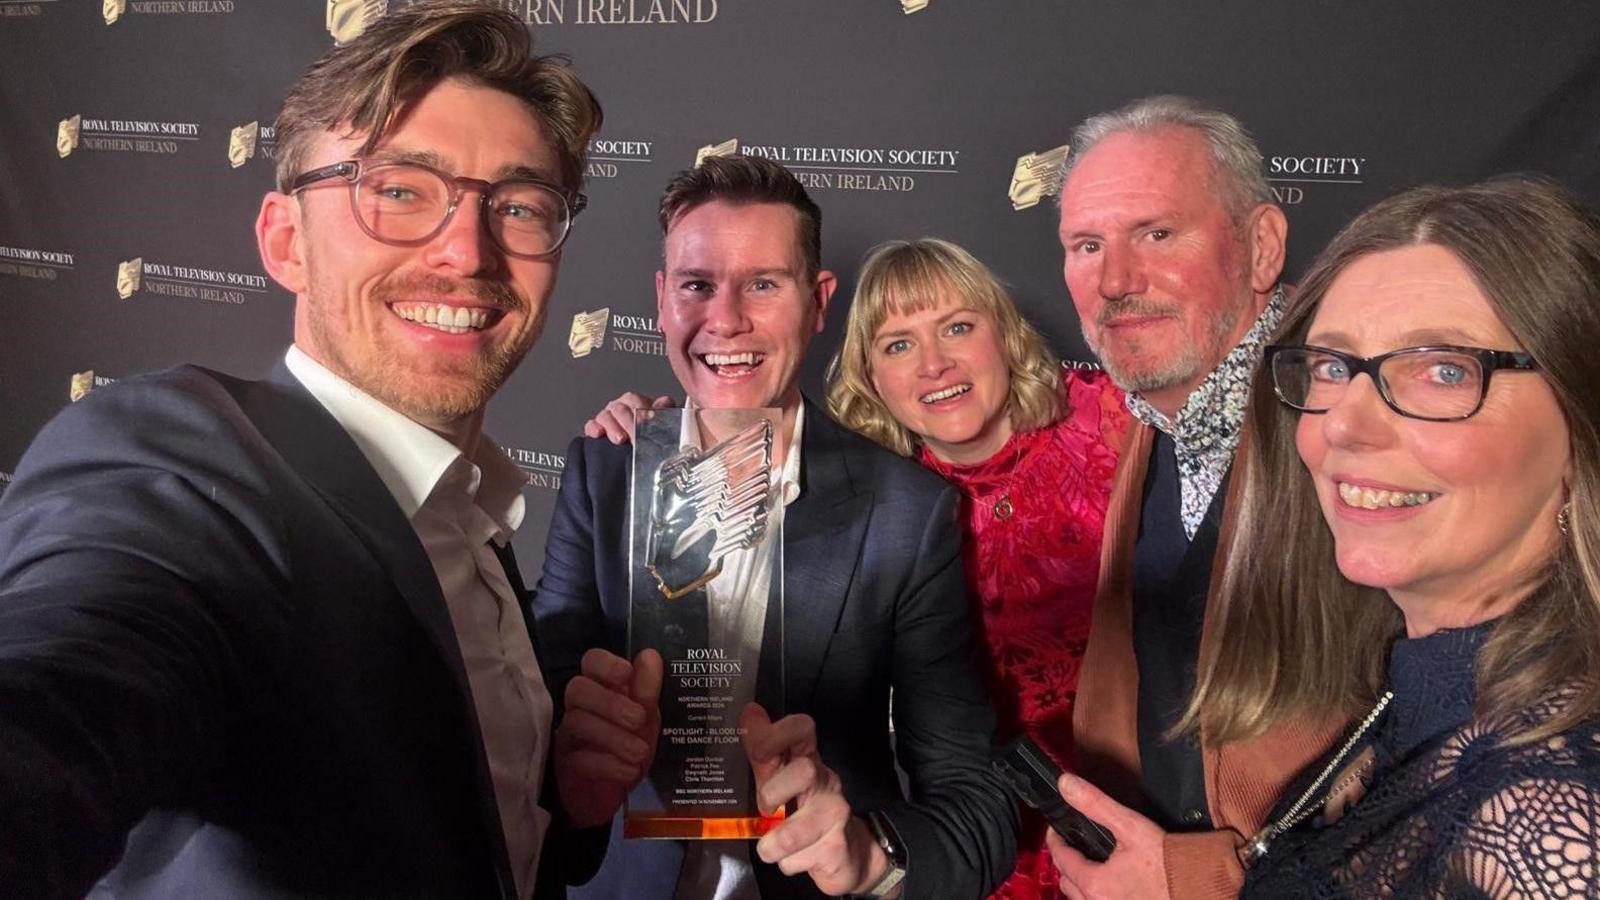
{"x": 721, "y": 870}
{"x": 462, "y": 508}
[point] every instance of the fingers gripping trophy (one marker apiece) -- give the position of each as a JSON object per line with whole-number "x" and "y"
{"x": 705, "y": 577}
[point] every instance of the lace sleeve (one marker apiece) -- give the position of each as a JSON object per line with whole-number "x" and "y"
{"x": 1534, "y": 838}
{"x": 1467, "y": 812}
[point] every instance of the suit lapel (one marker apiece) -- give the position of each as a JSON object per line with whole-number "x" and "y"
{"x": 822, "y": 535}
{"x": 508, "y": 561}
{"x": 1104, "y": 720}
{"x": 316, "y": 446}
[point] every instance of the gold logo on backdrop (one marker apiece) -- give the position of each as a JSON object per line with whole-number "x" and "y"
{"x": 113, "y": 10}
{"x": 242, "y": 143}
{"x": 82, "y": 384}
{"x": 588, "y": 332}
{"x": 348, "y": 18}
{"x": 729, "y": 147}
{"x": 1037, "y": 176}
{"x": 128, "y": 274}
{"x": 911, "y": 6}
{"x": 67, "y": 136}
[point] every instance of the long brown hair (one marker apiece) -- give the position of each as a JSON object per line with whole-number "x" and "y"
{"x": 1294, "y": 636}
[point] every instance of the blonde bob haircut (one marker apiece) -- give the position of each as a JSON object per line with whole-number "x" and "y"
{"x": 914, "y": 276}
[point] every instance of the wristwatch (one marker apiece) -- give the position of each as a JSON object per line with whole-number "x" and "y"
{"x": 883, "y": 832}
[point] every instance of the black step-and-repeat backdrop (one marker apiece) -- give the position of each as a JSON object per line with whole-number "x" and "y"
{"x": 136, "y": 141}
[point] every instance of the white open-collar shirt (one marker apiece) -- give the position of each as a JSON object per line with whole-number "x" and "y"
{"x": 736, "y": 605}
{"x": 462, "y": 508}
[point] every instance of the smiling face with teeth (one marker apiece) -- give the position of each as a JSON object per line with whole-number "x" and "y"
{"x": 1440, "y": 514}
{"x": 1165, "y": 277}
{"x": 736, "y": 305}
{"x": 942, "y": 373}
{"x": 433, "y": 330}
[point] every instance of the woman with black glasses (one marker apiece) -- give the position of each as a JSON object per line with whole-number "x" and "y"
{"x": 1419, "y": 546}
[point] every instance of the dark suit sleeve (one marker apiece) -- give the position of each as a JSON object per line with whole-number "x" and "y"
{"x": 125, "y": 575}
{"x": 568, "y": 617}
{"x": 959, "y": 827}
{"x": 566, "y": 603}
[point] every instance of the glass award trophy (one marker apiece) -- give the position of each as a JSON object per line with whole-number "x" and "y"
{"x": 706, "y": 589}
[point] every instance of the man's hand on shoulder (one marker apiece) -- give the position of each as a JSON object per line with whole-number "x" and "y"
{"x": 614, "y": 421}
{"x": 820, "y": 837}
{"x": 607, "y": 736}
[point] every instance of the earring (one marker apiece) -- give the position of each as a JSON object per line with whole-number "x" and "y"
{"x": 1564, "y": 518}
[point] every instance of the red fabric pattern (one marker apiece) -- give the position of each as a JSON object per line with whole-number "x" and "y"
{"x": 1033, "y": 576}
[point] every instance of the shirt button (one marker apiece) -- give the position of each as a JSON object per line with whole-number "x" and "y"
{"x": 1193, "y": 816}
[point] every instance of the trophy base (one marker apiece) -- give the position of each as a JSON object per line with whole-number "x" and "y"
{"x": 699, "y": 828}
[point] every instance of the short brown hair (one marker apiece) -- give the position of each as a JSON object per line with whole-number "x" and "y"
{"x": 912, "y": 276}
{"x": 363, "y": 84}
{"x": 744, "y": 180}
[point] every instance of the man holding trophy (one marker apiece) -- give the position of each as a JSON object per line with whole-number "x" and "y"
{"x": 791, "y": 574}
{"x": 265, "y": 639}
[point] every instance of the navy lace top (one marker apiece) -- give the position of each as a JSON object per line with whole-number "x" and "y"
{"x": 1449, "y": 810}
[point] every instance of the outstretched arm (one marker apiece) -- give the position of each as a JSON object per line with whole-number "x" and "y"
{"x": 133, "y": 586}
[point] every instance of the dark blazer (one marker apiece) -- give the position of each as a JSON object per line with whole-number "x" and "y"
{"x": 874, "y": 598}
{"x": 226, "y": 669}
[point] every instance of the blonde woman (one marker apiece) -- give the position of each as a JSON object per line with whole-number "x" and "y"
{"x": 938, "y": 365}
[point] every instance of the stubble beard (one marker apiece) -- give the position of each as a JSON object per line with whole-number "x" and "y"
{"x": 429, "y": 397}
{"x": 1189, "y": 363}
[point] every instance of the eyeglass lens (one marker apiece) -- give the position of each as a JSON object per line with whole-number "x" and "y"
{"x": 409, "y": 203}
{"x": 1434, "y": 384}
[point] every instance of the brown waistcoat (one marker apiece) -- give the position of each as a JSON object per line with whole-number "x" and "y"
{"x": 1243, "y": 779}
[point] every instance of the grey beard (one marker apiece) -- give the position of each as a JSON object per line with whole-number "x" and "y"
{"x": 1179, "y": 369}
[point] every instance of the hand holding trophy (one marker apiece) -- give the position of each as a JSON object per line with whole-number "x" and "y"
{"x": 608, "y": 735}
{"x": 707, "y": 595}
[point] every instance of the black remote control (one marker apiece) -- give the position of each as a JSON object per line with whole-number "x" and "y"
{"x": 1033, "y": 776}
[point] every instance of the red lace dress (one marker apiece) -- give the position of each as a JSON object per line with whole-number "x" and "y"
{"x": 1032, "y": 574}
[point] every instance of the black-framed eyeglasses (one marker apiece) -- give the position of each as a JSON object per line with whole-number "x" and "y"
{"x": 1436, "y": 384}
{"x": 408, "y": 204}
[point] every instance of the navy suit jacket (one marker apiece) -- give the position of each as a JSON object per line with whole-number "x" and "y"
{"x": 226, "y": 668}
{"x": 874, "y": 598}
